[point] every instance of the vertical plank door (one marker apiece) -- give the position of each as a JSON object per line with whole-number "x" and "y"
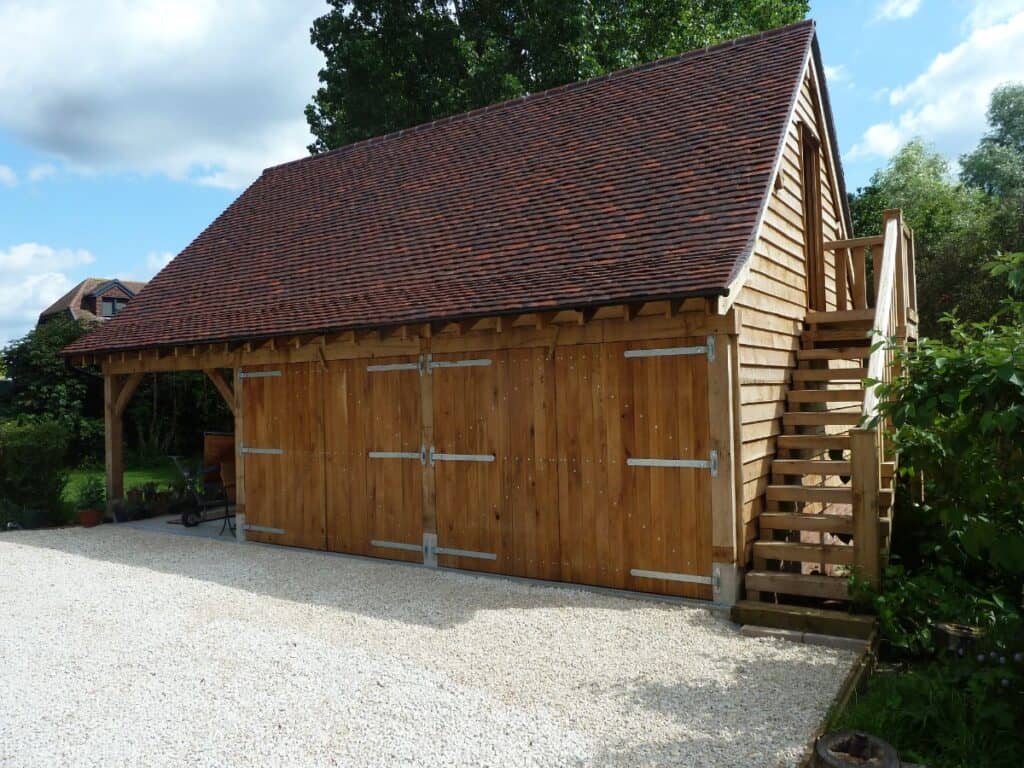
{"x": 283, "y": 453}
{"x": 625, "y": 511}
{"x": 469, "y": 451}
{"x": 374, "y": 457}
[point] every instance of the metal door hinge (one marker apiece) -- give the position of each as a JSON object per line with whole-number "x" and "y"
{"x": 711, "y": 463}
{"x": 434, "y": 455}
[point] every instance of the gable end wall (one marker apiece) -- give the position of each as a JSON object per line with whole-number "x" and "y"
{"x": 772, "y": 304}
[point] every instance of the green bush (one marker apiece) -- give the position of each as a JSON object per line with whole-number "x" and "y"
{"x": 91, "y": 493}
{"x": 958, "y": 416}
{"x": 32, "y": 475}
{"x": 955, "y": 713}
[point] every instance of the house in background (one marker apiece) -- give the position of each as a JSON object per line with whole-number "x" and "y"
{"x": 95, "y": 298}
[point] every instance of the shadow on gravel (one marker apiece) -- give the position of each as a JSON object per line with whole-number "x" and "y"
{"x": 382, "y": 589}
{"x": 724, "y": 727}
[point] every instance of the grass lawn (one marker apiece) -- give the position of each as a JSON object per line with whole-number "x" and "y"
{"x": 162, "y": 472}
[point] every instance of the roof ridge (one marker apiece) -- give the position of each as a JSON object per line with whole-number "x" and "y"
{"x": 693, "y": 53}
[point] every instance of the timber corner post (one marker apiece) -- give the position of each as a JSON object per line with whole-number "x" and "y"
{"x": 239, "y": 413}
{"x": 726, "y": 480}
{"x": 117, "y": 391}
{"x": 866, "y": 483}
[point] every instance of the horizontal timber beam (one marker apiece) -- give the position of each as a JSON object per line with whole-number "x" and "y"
{"x": 608, "y": 324}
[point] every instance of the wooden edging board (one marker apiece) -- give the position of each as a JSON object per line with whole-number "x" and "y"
{"x": 854, "y": 682}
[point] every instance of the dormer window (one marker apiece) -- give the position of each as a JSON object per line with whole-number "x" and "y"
{"x": 112, "y": 307}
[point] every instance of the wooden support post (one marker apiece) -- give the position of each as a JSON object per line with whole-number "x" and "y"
{"x": 840, "y": 260}
{"x": 427, "y": 437}
{"x": 860, "y": 278}
{"x": 865, "y": 482}
{"x": 239, "y": 412}
{"x": 113, "y": 439}
{"x": 723, "y": 416}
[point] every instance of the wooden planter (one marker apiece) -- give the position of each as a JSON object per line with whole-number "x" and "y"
{"x": 89, "y": 518}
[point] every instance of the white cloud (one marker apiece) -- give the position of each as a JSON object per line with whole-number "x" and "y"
{"x": 206, "y": 92}
{"x": 154, "y": 262}
{"x": 22, "y": 300}
{"x": 989, "y": 12}
{"x": 34, "y": 277}
{"x": 42, "y": 171}
{"x": 947, "y": 103}
{"x": 157, "y": 261}
{"x": 29, "y": 258}
{"x": 835, "y": 74}
{"x": 8, "y": 177}
{"x": 891, "y": 10}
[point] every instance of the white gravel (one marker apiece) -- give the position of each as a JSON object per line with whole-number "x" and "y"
{"x": 125, "y": 647}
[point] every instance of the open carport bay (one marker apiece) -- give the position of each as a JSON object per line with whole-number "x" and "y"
{"x": 128, "y": 647}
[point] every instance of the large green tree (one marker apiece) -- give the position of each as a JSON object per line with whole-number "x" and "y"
{"x": 997, "y": 166}
{"x": 44, "y": 387}
{"x": 952, "y": 232}
{"x": 392, "y": 64}
{"x": 959, "y": 223}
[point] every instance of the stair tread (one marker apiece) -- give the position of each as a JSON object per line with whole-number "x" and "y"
{"x": 830, "y": 374}
{"x": 834, "y": 353}
{"x": 836, "y": 495}
{"x": 818, "y": 317}
{"x": 765, "y": 548}
{"x": 803, "y": 618}
{"x": 850, "y": 395}
{"x": 845, "y": 334}
{"x": 800, "y": 552}
{"x": 806, "y": 585}
{"x": 822, "y": 418}
{"x": 802, "y": 442}
{"x": 826, "y": 494}
{"x": 810, "y": 467}
{"x": 797, "y": 521}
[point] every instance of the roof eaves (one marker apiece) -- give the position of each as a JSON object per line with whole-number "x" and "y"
{"x": 710, "y": 293}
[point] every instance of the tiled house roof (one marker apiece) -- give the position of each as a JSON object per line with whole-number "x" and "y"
{"x": 643, "y": 184}
{"x": 75, "y": 303}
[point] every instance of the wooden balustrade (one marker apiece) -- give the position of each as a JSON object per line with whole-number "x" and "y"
{"x": 893, "y": 296}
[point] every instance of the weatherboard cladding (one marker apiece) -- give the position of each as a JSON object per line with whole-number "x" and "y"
{"x": 647, "y": 183}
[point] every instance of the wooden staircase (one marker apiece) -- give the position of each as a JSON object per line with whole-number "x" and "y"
{"x": 828, "y": 508}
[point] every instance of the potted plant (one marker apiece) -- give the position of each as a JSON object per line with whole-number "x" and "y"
{"x": 92, "y": 496}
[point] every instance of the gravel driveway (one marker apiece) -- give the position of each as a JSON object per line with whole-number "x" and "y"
{"x": 126, "y": 647}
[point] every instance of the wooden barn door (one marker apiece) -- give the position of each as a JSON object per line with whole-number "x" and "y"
{"x": 467, "y": 458}
{"x": 374, "y": 457}
{"x": 634, "y": 488}
{"x": 495, "y": 462}
{"x": 282, "y": 448}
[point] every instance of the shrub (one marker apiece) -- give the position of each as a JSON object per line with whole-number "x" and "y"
{"x": 959, "y": 713}
{"x": 31, "y": 469}
{"x": 92, "y": 493}
{"x": 958, "y": 416}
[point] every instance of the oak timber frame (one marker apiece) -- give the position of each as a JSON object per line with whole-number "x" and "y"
{"x": 645, "y": 321}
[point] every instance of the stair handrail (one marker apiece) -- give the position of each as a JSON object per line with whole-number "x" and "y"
{"x": 867, "y": 451}
{"x": 887, "y": 310}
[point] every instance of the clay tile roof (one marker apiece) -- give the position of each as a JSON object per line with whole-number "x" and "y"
{"x": 643, "y": 184}
{"x": 71, "y": 302}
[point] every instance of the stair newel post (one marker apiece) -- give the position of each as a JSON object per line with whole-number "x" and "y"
{"x": 865, "y": 483}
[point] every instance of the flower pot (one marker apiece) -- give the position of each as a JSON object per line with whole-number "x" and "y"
{"x": 88, "y": 518}
{"x": 854, "y": 748}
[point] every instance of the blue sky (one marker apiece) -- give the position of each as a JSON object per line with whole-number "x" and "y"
{"x": 126, "y": 127}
